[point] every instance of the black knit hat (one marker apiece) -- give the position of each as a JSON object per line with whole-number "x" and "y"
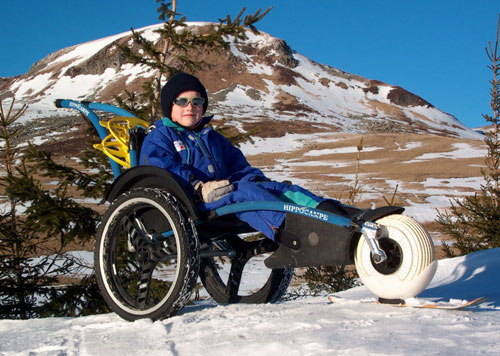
{"x": 177, "y": 84}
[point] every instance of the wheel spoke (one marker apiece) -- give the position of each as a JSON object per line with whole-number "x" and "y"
{"x": 148, "y": 255}
{"x": 234, "y": 279}
{"x": 169, "y": 245}
{"x": 227, "y": 281}
{"x": 140, "y": 228}
{"x": 144, "y": 284}
{"x": 128, "y": 228}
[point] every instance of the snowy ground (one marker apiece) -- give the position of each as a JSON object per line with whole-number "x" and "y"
{"x": 310, "y": 326}
{"x": 432, "y": 193}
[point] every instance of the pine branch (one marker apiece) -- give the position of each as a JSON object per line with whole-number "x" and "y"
{"x": 39, "y": 223}
{"x": 174, "y": 51}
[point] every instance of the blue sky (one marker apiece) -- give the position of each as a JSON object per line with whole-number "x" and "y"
{"x": 433, "y": 48}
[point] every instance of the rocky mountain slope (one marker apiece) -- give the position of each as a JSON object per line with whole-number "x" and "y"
{"x": 259, "y": 80}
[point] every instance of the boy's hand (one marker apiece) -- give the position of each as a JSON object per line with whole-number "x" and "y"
{"x": 213, "y": 190}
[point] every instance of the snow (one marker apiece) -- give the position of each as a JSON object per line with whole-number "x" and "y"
{"x": 354, "y": 325}
{"x": 462, "y": 150}
{"x": 309, "y": 326}
{"x": 409, "y": 146}
{"x": 287, "y": 143}
{"x": 470, "y": 182}
{"x": 427, "y": 210}
{"x": 440, "y": 191}
{"x": 440, "y": 194}
{"x": 258, "y": 41}
{"x": 239, "y": 97}
{"x": 333, "y": 97}
{"x": 350, "y": 149}
{"x": 437, "y": 118}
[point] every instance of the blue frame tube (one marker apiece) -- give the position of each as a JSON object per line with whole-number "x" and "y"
{"x": 285, "y": 208}
{"x": 86, "y": 108}
{"x": 320, "y": 215}
{"x": 133, "y": 158}
{"x": 110, "y": 108}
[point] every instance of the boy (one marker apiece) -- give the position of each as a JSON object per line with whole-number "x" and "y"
{"x": 206, "y": 164}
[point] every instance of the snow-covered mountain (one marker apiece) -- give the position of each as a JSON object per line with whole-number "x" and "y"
{"x": 258, "y": 79}
{"x": 310, "y": 326}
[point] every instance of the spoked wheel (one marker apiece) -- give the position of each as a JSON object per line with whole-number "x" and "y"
{"x": 146, "y": 255}
{"x": 240, "y": 276}
{"x": 410, "y": 263}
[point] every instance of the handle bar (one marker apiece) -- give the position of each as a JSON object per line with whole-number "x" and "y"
{"x": 87, "y": 108}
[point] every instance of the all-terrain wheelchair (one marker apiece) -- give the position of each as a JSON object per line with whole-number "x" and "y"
{"x": 153, "y": 244}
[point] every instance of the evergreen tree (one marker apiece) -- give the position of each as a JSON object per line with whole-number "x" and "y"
{"x": 330, "y": 279}
{"x": 177, "y": 50}
{"x": 474, "y": 222}
{"x": 36, "y": 226}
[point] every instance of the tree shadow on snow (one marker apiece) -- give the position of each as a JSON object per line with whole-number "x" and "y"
{"x": 467, "y": 277}
{"x": 198, "y": 306}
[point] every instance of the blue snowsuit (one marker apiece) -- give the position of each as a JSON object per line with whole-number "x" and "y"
{"x": 205, "y": 155}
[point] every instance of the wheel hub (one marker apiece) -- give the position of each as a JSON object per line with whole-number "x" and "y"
{"x": 394, "y": 256}
{"x": 143, "y": 255}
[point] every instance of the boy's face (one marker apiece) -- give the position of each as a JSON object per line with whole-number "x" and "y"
{"x": 188, "y": 116}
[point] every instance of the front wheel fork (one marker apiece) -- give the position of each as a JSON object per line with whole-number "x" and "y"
{"x": 371, "y": 232}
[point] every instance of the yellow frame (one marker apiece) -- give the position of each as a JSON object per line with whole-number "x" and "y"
{"x": 115, "y": 145}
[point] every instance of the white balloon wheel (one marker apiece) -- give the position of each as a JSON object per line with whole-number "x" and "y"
{"x": 411, "y": 259}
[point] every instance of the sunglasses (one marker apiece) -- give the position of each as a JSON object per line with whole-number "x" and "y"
{"x": 183, "y": 102}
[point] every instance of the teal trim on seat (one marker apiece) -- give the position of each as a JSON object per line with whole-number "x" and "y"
{"x": 299, "y": 198}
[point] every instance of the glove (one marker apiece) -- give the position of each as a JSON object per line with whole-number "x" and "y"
{"x": 213, "y": 190}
